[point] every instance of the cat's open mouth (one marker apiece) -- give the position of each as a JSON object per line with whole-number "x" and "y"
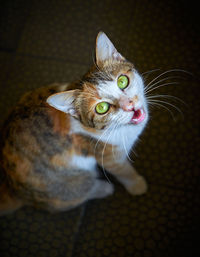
{"x": 138, "y": 116}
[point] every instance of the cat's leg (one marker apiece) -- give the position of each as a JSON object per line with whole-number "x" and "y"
{"x": 127, "y": 175}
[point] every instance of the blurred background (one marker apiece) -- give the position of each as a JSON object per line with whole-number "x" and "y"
{"x": 48, "y": 41}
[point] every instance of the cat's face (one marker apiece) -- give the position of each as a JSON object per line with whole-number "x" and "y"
{"x": 112, "y": 92}
{"x": 112, "y": 96}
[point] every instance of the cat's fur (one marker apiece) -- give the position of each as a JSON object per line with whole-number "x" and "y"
{"x": 54, "y": 139}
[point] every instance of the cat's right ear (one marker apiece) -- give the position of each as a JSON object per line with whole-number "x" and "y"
{"x": 64, "y": 102}
{"x": 105, "y": 50}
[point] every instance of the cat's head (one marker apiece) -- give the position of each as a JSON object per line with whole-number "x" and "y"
{"x": 111, "y": 93}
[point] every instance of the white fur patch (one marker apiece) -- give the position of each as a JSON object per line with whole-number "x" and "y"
{"x": 108, "y": 89}
{"x": 124, "y": 137}
{"x": 84, "y": 163}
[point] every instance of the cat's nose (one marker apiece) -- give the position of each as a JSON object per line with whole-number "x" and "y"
{"x": 128, "y": 104}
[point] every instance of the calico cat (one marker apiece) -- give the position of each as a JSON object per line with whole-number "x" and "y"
{"x": 56, "y": 136}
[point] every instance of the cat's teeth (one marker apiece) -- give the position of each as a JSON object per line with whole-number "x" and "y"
{"x": 138, "y": 116}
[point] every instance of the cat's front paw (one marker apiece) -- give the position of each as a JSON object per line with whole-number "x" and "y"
{"x": 138, "y": 187}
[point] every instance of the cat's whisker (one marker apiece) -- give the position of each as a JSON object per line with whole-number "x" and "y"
{"x": 102, "y": 155}
{"x": 122, "y": 136}
{"x": 132, "y": 151}
{"x": 124, "y": 145}
{"x": 99, "y": 140}
{"x": 148, "y": 87}
{"x": 170, "y": 104}
{"x": 162, "y": 85}
{"x": 166, "y": 72}
{"x": 115, "y": 131}
{"x": 148, "y": 72}
{"x": 166, "y": 96}
{"x": 163, "y": 106}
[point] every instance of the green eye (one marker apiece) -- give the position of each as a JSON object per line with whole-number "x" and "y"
{"x": 122, "y": 81}
{"x": 102, "y": 107}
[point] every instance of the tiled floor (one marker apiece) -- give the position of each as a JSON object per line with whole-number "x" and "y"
{"x": 42, "y": 42}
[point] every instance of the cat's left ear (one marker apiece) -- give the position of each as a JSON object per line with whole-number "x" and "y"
{"x": 64, "y": 102}
{"x": 105, "y": 49}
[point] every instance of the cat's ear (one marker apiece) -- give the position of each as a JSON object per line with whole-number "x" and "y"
{"x": 64, "y": 102}
{"x": 105, "y": 49}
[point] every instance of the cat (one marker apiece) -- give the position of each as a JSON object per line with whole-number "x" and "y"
{"x": 56, "y": 136}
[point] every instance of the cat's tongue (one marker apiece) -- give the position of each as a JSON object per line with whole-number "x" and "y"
{"x": 138, "y": 116}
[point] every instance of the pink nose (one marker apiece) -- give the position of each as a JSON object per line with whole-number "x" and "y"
{"x": 126, "y": 104}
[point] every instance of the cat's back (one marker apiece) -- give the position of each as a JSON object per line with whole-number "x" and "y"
{"x": 32, "y": 117}
{"x": 34, "y": 138}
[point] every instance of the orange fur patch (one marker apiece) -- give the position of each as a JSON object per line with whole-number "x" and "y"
{"x": 61, "y": 121}
{"x": 60, "y": 160}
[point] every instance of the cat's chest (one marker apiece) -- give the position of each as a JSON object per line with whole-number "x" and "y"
{"x": 123, "y": 137}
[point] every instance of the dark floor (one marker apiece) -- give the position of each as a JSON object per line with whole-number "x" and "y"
{"x": 52, "y": 40}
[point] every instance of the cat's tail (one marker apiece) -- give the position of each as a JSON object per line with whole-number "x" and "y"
{"x": 8, "y": 202}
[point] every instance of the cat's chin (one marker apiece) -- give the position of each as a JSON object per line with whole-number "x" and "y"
{"x": 138, "y": 116}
